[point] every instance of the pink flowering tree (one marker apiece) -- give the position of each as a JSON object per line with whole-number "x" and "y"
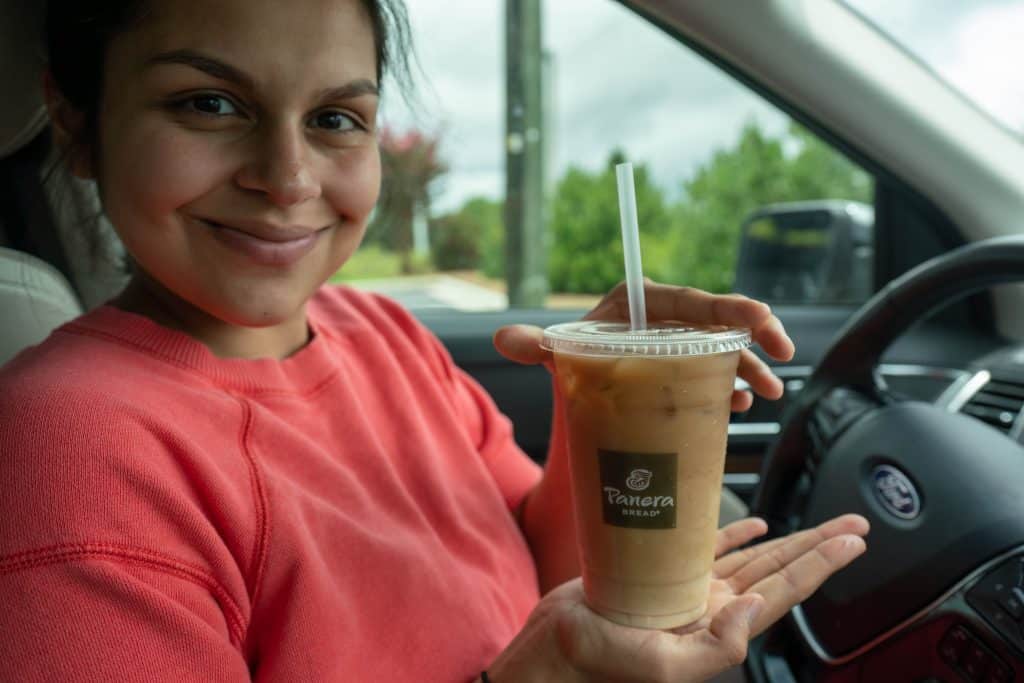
{"x": 410, "y": 164}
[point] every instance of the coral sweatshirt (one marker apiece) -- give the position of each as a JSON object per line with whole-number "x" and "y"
{"x": 345, "y": 514}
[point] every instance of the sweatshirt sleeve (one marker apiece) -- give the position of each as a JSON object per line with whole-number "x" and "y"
{"x": 514, "y": 471}
{"x": 74, "y": 615}
{"x": 110, "y": 568}
{"x": 489, "y": 429}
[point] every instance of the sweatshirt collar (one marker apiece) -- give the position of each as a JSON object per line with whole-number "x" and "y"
{"x": 302, "y": 372}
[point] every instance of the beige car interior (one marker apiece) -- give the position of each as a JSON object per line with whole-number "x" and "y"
{"x": 49, "y": 271}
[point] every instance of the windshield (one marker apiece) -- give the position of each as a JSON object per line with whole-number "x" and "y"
{"x": 974, "y": 45}
{"x": 496, "y": 194}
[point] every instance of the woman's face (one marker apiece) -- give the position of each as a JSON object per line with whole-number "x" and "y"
{"x": 237, "y": 156}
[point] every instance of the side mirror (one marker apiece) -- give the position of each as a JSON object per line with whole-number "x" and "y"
{"x": 818, "y": 252}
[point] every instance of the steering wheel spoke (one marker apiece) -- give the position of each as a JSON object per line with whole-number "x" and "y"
{"x": 833, "y": 415}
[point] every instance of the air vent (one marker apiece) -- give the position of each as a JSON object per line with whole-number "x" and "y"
{"x": 998, "y": 403}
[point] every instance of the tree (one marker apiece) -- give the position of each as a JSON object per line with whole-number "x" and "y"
{"x": 472, "y": 237}
{"x": 586, "y": 255}
{"x": 692, "y": 242}
{"x": 736, "y": 181}
{"x": 410, "y": 164}
{"x": 489, "y": 215}
{"x": 819, "y": 172}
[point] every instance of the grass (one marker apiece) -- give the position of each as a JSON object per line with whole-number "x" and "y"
{"x": 368, "y": 263}
{"x": 371, "y": 262}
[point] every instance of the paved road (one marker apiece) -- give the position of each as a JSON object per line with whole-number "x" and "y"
{"x": 436, "y": 291}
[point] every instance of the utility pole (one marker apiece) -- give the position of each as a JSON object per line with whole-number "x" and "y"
{"x": 525, "y": 249}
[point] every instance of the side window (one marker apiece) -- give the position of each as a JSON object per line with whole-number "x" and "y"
{"x": 733, "y": 195}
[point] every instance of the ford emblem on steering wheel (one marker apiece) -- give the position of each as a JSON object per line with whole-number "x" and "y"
{"x": 896, "y": 492}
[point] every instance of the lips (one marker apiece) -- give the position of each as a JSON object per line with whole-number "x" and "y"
{"x": 265, "y": 244}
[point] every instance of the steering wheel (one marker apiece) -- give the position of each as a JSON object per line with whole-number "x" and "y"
{"x": 943, "y": 491}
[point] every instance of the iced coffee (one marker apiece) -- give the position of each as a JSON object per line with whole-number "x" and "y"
{"x": 648, "y": 416}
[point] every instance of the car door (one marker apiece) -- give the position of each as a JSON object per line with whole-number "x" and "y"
{"x": 710, "y": 151}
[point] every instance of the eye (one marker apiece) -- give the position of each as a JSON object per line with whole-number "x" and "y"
{"x": 334, "y": 120}
{"x": 211, "y": 105}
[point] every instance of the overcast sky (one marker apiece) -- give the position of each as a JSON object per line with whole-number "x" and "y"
{"x": 609, "y": 87}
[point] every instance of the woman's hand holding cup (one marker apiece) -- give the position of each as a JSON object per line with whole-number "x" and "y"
{"x": 564, "y": 640}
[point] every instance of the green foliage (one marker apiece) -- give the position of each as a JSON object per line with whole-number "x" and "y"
{"x": 693, "y": 241}
{"x": 472, "y": 237}
{"x": 488, "y": 214}
{"x": 587, "y": 240}
{"x": 720, "y": 194}
{"x": 819, "y": 172}
{"x": 736, "y": 181}
{"x": 371, "y": 262}
{"x": 454, "y": 242}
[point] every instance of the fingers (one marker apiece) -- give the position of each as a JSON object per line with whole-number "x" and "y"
{"x": 723, "y": 645}
{"x": 746, "y": 567}
{"x": 730, "y": 630}
{"x": 521, "y": 343}
{"x": 668, "y": 302}
{"x": 729, "y": 564}
{"x": 608, "y": 651}
{"x": 772, "y": 337}
{"x": 687, "y": 304}
{"x": 759, "y": 376}
{"x": 795, "y": 582}
{"x": 741, "y": 401}
{"x": 738, "y": 533}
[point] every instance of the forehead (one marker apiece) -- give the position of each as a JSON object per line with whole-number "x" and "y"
{"x": 272, "y": 40}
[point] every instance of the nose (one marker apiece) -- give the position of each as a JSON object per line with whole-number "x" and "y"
{"x": 281, "y": 168}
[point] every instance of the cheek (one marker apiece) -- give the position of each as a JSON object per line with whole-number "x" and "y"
{"x": 353, "y": 185}
{"x": 152, "y": 172}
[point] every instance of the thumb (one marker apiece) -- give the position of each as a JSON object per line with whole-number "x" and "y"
{"x": 725, "y": 643}
{"x": 609, "y": 651}
{"x": 521, "y": 343}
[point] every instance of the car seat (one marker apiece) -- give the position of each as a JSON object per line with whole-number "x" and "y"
{"x": 42, "y": 251}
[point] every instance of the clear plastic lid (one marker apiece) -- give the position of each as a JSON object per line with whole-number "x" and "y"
{"x": 606, "y": 338}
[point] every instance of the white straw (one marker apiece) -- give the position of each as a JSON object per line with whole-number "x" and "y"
{"x": 631, "y": 246}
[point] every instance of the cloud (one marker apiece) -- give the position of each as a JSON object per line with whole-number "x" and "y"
{"x": 985, "y": 65}
{"x": 620, "y": 82}
{"x": 975, "y": 46}
{"x": 629, "y": 85}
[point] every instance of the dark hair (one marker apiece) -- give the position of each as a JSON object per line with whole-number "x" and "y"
{"x": 78, "y": 33}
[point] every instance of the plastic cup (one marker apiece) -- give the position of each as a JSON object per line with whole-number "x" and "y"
{"x": 648, "y": 415}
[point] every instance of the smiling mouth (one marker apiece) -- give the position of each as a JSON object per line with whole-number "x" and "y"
{"x": 266, "y": 233}
{"x": 279, "y": 249}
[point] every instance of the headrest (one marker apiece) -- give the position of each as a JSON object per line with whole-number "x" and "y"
{"x": 22, "y": 114}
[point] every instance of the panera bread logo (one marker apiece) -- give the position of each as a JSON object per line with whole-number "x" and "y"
{"x": 639, "y": 479}
{"x": 638, "y": 489}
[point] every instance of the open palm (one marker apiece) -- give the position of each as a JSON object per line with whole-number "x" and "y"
{"x": 784, "y": 571}
{"x": 752, "y": 588}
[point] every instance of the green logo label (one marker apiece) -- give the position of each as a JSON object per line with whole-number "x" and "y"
{"x": 638, "y": 490}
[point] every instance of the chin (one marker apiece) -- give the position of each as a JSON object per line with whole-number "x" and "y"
{"x": 261, "y": 312}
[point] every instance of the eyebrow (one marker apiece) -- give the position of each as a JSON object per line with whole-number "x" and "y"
{"x": 209, "y": 65}
{"x": 226, "y": 72}
{"x": 356, "y": 88}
